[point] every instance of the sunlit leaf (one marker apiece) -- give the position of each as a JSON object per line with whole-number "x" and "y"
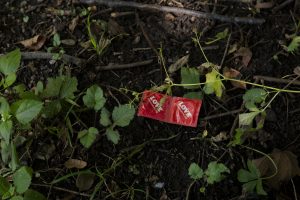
{"x": 195, "y": 172}
{"x": 213, "y": 84}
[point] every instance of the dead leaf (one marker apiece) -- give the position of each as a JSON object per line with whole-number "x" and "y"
{"x": 75, "y": 163}
{"x": 85, "y": 181}
{"x": 246, "y": 55}
{"x": 264, "y": 5}
{"x": 297, "y": 71}
{"x": 222, "y": 136}
{"x": 73, "y": 24}
{"x": 69, "y": 42}
{"x": 232, "y": 48}
{"x": 34, "y": 43}
{"x": 234, "y": 74}
{"x": 169, "y": 17}
{"x": 287, "y": 165}
{"x": 178, "y": 64}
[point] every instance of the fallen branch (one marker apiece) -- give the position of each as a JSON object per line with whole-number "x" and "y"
{"x": 124, "y": 66}
{"x": 221, "y": 115}
{"x": 152, "y": 7}
{"x": 276, "y": 80}
{"x": 48, "y": 56}
{"x": 61, "y": 189}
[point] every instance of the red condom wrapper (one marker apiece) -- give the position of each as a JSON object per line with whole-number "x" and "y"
{"x": 175, "y": 110}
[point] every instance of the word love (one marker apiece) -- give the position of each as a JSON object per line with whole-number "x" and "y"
{"x": 175, "y": 110}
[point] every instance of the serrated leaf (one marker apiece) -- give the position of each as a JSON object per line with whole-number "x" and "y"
{"x": 105, "y": 117}
{"x": 246, "y": 119}
{"x": 294, "y": 45}
{"x": 213, "y": 84}
{"x": 190, "y": 76}
{"x": 22, "y": 179}
{"x": 4, "y": 185}
{"x": 214, "y": 172}
{"x": 94, "y": 98}
{"x": 195, "y": 172}
{"x": 112, "y": 135}
{"x": 252, "y": 96}
{"x": 123, "y": 114}
{"x": 193, "y": 95}
{"x": 26, "y": 110}
{"x": 245, "y": 176}
{"x": 6, "y": 130}
{"x": 33, "y": 195}
{"x": 68, "y": 87}
{"x": 51, "y": 109}
{"x": 10, "y": 62}
{"x": 87, "y": 137}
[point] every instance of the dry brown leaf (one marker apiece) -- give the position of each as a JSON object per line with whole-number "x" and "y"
{"x": 222, "y": 136}
{"x": 246, "y": 55}
{"x": 114, "y": 28}
{"x": 34, "y": 43}
{"x": 287, "y": 165}
{"x": 75, "y": 163}
{"x": 73, "y": 24}
{"x": 235, "y": 74}
{"x": 84, "y": 181}
{"x": 297, "y": 71}
{"x": 264, "y": 5}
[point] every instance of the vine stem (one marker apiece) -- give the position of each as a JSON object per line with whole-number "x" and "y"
{"x": 267, "y": 156}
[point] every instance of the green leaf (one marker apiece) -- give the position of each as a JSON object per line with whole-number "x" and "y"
{"x": 17, "y": 198}
{"x": 4, "y": 185}
{"x": 56, "y": 40}
{"x": 214, "y": 172}
{"x": 4, "y": 109}
{"x": 26, "y": 110}
{"x": 250, "y": 186}
{"x": 122, "y": 115}
{"x": 68, "y": 87}
{"x": 218, "y": 36}
{"x": 245, "y": 176}
{"x": 62, "y": 87}
{"x": 105, "y": 117}
{"x": 14, "y": 163}
{"x": 253, "y": 169}
{"x": 6, "y": 130}
{"x": 39, "y": 88}
{"x": 194, "y": 95}
{"x": 237, "y": 139}
{"x": 10, "y": 62}
{"x": 112, "y": 135}
{"x": 294, "y": 45}
{"x": 94, "y": 98}
{"x": 51, "y": 109}
{"x": 195, "y": 172}
{"x": 213, "y": 84}
{"x": 246, "y": 119}
{"x": 5, "y": 151}
{"x": 190, "y": 76}
{"x": 53, "y": 87}
{"x": 259, "y": 188}
{"x": 22, "y": 179}
{"x": 9, "y": 80}
{"x": 252, "y": 96}
{"x": 87, "y": 137}
{"x": 33, "y": 195}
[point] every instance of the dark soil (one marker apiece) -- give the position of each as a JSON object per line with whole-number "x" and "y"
{"x": 166, "y": 161}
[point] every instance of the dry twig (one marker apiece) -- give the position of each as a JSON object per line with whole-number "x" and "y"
{"x": 153, "y": 7}
{"x": 124, "y": 66}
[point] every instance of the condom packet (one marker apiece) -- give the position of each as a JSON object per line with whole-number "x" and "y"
{"x": 175, "y": 110}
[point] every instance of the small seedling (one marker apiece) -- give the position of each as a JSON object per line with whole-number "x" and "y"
{"x": 213, "y": 174}
{"x": 251, "y": 179}
{"x": 219, "y": 36}
{"x": 56, "y": 49}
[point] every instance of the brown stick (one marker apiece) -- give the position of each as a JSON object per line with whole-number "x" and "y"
{"x": 61, "y": 189}
{"x": 124, "y": 66}
{"x": 45, "y": 55}
{"x": 152, "y": 7}
{"x": 276, "y": 80}
{"x": 221, "y": 115}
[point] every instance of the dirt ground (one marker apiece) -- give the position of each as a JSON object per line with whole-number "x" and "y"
{"x": 163, "y": 161}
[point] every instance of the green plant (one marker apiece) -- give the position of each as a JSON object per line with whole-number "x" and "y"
{"x": 121, "y": 115}
{"x": 213, "y": 174}
{"x": 99, "y": 40}
{"x": 56, "y": 50}
{"x": 251, "y": 179}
